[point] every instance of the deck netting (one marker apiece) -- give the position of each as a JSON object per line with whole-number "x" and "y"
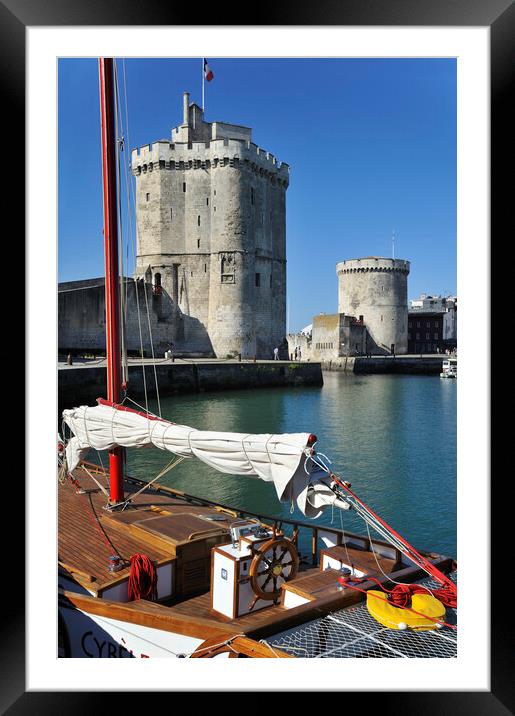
{"x": 353, "y": 633}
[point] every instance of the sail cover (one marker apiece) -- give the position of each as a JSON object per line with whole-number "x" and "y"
{"x": 280, "y": 459}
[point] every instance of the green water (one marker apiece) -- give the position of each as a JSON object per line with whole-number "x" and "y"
{"x": 392, "y": 437}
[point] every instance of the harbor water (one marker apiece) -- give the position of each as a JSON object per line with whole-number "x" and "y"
{"x": 392, "y": 436}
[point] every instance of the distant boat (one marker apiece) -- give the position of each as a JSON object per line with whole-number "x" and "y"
{"x": 449, "y": 368}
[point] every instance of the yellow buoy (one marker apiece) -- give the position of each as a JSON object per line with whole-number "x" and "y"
{"x": 396, "y": 618}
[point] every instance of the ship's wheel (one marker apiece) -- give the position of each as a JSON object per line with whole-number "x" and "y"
{"x": 275, "y": 562}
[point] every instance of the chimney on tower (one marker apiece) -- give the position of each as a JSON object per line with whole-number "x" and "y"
{"x": 186, "y": 108}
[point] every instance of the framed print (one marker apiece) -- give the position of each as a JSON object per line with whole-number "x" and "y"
{"x": 42, "y": 46}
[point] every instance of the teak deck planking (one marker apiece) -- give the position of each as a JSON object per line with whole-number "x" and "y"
{"x": 86, "y": 543}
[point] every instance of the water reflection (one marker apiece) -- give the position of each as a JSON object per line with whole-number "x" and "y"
{"x": 392, "y": 437}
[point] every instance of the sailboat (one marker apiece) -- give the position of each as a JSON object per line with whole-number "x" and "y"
{"x": 146, "y": 571}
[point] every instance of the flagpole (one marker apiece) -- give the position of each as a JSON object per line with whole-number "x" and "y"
{"x": 203, "y": 73}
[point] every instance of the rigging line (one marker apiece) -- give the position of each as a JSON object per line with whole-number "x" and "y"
{"x": 133, "y": 236}
{"x": 152, "y": 350}
{"x": 173, "y": 463}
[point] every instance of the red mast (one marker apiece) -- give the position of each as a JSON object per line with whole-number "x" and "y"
{"x": 106, "y": 79}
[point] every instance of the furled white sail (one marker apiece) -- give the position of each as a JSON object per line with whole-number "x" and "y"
{"x": 280, "y": 459}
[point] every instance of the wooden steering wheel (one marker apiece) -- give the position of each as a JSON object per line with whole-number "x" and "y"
{"x": 275, "y": 561}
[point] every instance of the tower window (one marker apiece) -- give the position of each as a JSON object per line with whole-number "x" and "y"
{"x": 148, "y": 196}
{"x": 215, "y": 192}
{"x": 258, "y": 279}
{"x": 184, "y": 186}
{"x": 198, "y": 243}
{"x": 198, "y": 220}
{"x": 207, "y": 201}
{"x": 171, "y": 214}
{"x": 205, "y": 268}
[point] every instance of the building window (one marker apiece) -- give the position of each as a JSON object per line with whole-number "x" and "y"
{"x": 428, "y": 324}
{"x": 427, "y": 336}
{"x": 198, "y": 220}
{"x": 207, "y": 201}
{"x": 258, "y": 279}
{"x": 436, "y": 336}
{"x": 184, "y": 186}
{"x": 148, "y": 196}
{"x": 205, "y": 268}
{"x": 409, "y": 336}
{"x": 417, "y": 336}
{"x": 409, "y": 324}
{"x": 198, "y": 243}
{"x": 436, "y": 324}
{"x": 418, "y": 326}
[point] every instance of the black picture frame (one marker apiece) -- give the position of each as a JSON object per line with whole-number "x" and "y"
{"x": 499, "y": 16}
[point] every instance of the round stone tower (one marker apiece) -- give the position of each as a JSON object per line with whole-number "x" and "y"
{"x": 375, "y": 290}
{"x": 211, "y": 230}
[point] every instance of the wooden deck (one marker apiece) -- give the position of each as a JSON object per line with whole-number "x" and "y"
{"x": 89, "y": 535}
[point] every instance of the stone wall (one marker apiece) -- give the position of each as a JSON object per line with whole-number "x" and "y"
{"x": 83, "y": 385}
{"x": 81, "y": 320}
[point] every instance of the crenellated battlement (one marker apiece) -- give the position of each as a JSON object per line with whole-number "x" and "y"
{"x": 205, "y": 155}
{"x": 373, "y": 264}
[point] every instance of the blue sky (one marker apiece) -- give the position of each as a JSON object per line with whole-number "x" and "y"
{"x": 371, "y": 144}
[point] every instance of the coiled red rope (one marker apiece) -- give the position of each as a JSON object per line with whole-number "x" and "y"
{"x": 400, "y": 595}
{"x": 142, "y": 578}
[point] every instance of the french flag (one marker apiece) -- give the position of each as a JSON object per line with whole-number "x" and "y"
{"x": 208, "y": 75}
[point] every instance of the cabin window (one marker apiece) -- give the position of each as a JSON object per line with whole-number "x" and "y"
{"x": 148, "y": 196}
{"x": 258, "y": 279}
{"x": 184, "y": 186}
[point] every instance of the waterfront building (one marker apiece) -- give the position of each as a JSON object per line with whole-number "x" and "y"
{"x": 372, "y": 316}
{"x": 432, "y": 324}
{"x": 211, "y": 231}
{"x": 211, "y": 250}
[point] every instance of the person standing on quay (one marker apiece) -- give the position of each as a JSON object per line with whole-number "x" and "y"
{"x": 276, "y": 353}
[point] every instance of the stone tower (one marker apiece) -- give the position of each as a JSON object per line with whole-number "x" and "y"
{"x": 211, "y": 230}
{"x": 376, "y": 289}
